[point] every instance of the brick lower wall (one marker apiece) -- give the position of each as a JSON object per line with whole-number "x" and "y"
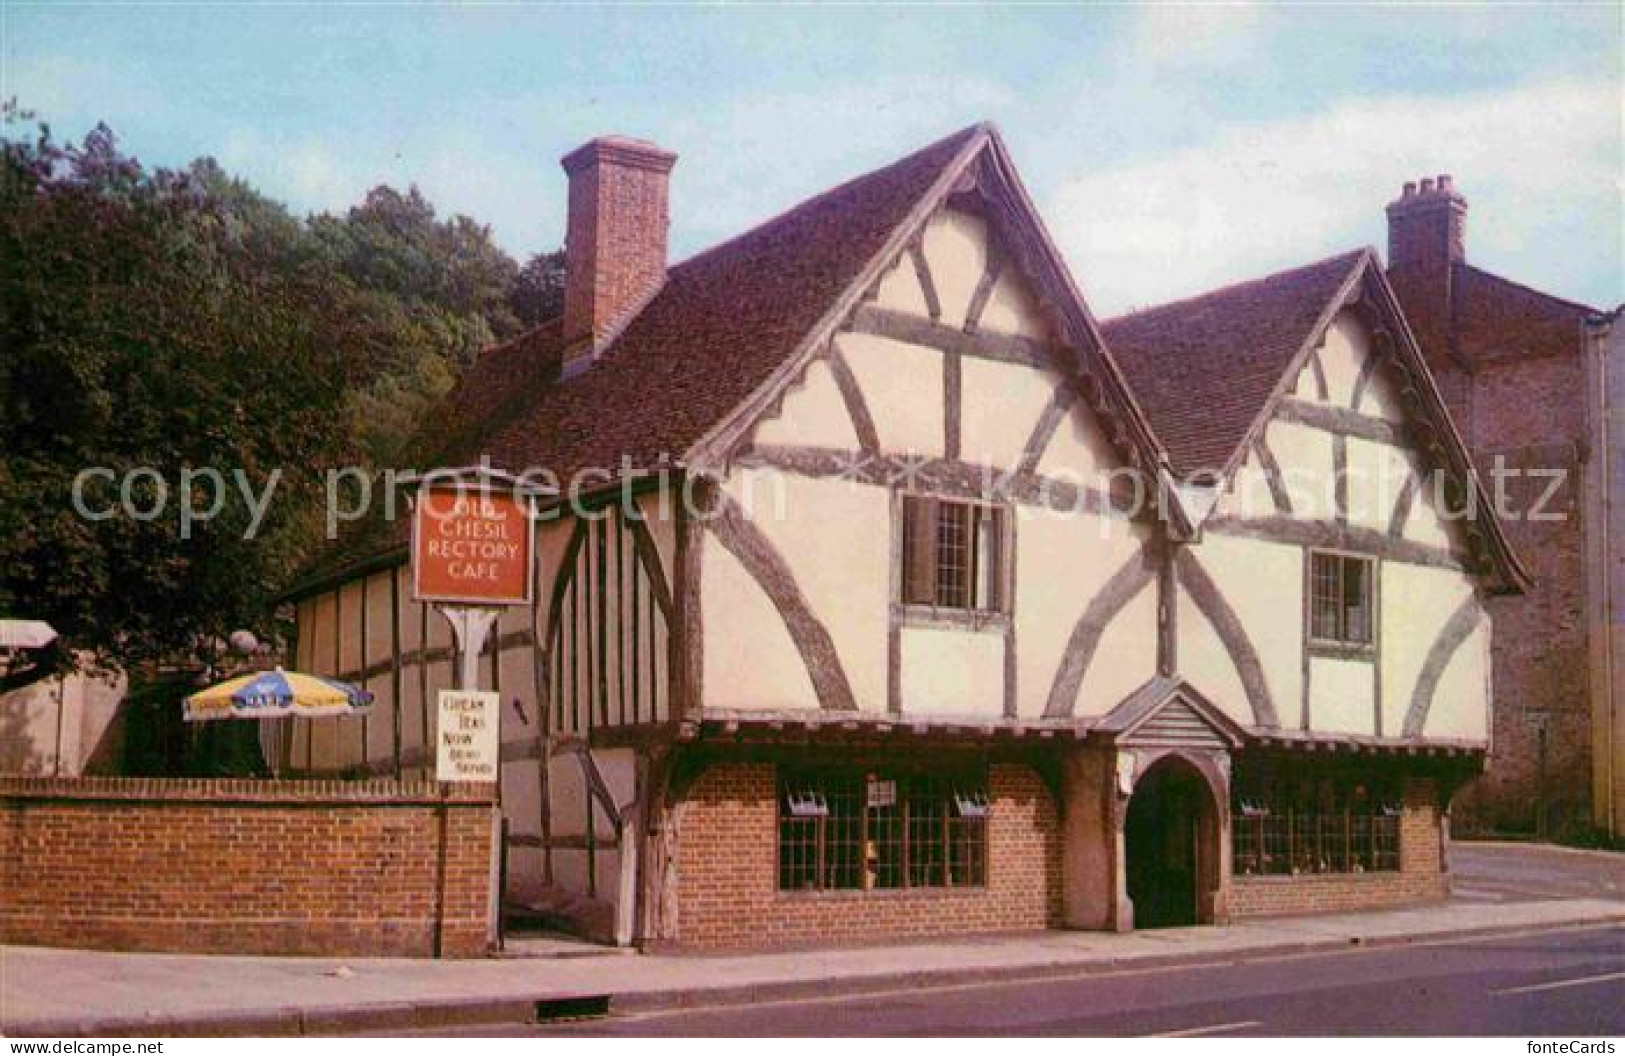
{"x": 727, "y": 877}
{"x": 232, "y": 866}
{"x": 1420, "y": 877}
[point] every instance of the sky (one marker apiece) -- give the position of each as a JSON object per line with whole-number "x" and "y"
{"x": 1170, "y": 148}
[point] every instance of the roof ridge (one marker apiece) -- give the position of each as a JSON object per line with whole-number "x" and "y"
{"x": 1239, "y": 286}
{"x": 790, "y": 211}
{"x": 1579, "y": 306}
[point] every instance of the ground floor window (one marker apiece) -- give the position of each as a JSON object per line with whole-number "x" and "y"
{"x": 1297, "y": 825}
{"x": 842, "y": 830}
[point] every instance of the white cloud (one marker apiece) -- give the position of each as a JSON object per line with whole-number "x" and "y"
{"x": 1196, "y": 34}
{"x": 1540, "y": 165}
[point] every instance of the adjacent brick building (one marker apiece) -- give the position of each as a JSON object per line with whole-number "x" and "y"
{"x": 1515, "y": 366}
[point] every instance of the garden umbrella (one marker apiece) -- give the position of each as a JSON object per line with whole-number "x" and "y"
{"x": 267, "y": 694}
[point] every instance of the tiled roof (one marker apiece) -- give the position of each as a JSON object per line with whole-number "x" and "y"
{"x": 1203, "y": 368}
{"x": 722, "y": 323}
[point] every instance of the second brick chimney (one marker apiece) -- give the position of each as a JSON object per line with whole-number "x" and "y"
{"x": 615, "y": 239}
{"x": 1427, "y": 227}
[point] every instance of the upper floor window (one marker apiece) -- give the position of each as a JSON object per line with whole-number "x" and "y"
{"x": 953, "y": 554}
{"x": 1340, "y": 599}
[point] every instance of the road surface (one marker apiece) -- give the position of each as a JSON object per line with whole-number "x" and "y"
{"x": 1569, "y": 984}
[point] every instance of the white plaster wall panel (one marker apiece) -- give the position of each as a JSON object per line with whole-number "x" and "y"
{"x": 1062, "y": 561}
{"x": 657, "y": 508}
{"x": 1207, "y": 664}
{"x": 1425, "y": 524}
{"x": 1460, "y": 700}
{"x": 956, "y": 250}
{"x": 380, "y": 649}
{"x": 518, "y": 683}
{"x": 608, "y": 861}
{"x": 568, "y": 796}
{"x": 1249, "y": 493}
{"x": 1126, "y": 658}
{"x": 836, "y": 538}
{"x": 1304, "y": 386}
{"x": 520, "y": 801}
{"x": 1012, "y": 309}
{"x": 551, "y": 538}
{"x": 412, "y": 712}
{"x": 1377, "y": 473}
{"x": 305, "y": 641}
{"x": 321, "y": 735}
{"x": 1305, "y": 458}
{"x": 812, "y": 414}
{"x": 750, "y": 659}
{"x": 348, "y": 627}
{"x": 1001, "y": 404}
{"x": 1342, "y": 696}
{"x": 526, "y": 871}
{"x": 323, "y": 654}
{"x": 1342, "y": 355}
{"x": 380, "y": 644}
{"x": 952, "y": 672}
{"x": 1382, "y": 399}
{"x": 900, "y": 289}
{"x": 1416, "y": 604}
{"x": 441, "y": 676}
{"x": 619, "y": 769}
{"x": 1263, "y": 583}
{"x": 902, "y": 384}
{"x": 1078, "y": 452}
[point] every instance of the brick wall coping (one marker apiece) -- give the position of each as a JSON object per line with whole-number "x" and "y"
{"x": 383, "y": 791}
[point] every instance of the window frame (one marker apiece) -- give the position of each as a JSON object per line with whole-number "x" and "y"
{"x": 975, "y": 615}
{"x": 961, "y": 844}
{"x": 1341, "y": 646}
{"x": 1287, "y": 825}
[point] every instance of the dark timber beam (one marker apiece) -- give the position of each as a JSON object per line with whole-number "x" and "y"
{"x": 1450, "y": 638}
{"x": 1210, "y": 600}
{"x": 910, "y": 328}
{"x": 941, "y": 476}
{"x": 762, "y": 560}
{"x": 1123, "y": 586}
{"x": 1340, "y": 421}
{"x": 863, "y": 423}
{"x": 1330, "y": 536}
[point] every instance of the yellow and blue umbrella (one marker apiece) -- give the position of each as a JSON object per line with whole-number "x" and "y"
{"x": 267, "y": 694}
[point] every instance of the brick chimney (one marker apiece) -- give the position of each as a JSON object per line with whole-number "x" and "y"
{"x": 1427, "y": 227}
{"x": 615, "y": 239}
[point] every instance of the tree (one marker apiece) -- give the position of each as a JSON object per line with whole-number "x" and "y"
{"x": 141, "y": 334}
{"x": 538, "y": 290}
{"x": 156, "y": 321}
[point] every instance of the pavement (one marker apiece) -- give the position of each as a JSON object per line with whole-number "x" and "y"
{"x": 43, "y": 991}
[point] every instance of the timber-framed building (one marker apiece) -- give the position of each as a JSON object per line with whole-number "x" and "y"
{"x": 904, "y": 597}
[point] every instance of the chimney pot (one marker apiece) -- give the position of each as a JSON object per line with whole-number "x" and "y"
{"x": 1410, "y": 189}
{"x": 615, "y": 239}
{"x": 1427, "y": 185}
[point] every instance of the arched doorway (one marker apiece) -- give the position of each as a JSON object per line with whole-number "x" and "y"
{"x": 1170, "y": 838}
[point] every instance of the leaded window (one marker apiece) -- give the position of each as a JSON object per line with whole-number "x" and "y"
{"x": 1340, "y": 599}
{"x": 952, "y": 554}
{"x": 1293, "y": 825}
{"x": 874, "y": 831}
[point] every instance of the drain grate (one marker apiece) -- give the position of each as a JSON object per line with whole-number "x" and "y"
{"x": 559, "y": 1009}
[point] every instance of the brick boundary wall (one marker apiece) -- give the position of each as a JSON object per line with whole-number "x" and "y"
{"x": 337, "y": 868}
{"x": 727, "y": 852}
{"x": 1420, "y": 877}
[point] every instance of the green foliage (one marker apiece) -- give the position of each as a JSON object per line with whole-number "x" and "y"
{"x": 174, "y": 319}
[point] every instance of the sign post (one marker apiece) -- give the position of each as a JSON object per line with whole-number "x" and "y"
{"x": 473, "y": 544}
